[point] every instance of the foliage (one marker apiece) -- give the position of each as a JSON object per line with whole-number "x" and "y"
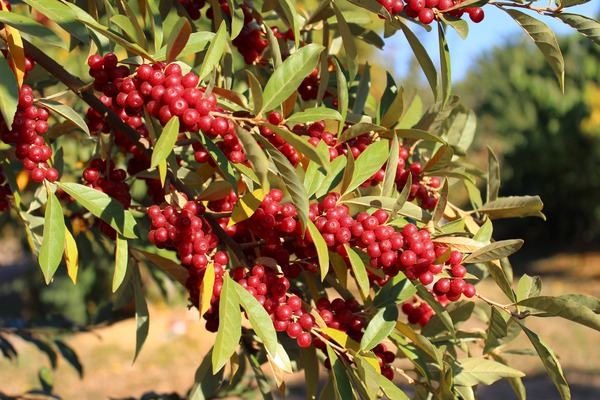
{"x": 311, "y": 221}
{"x": 546, "y": 138}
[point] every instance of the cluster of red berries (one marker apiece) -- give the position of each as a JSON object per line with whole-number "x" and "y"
{"x": 309, "y": 88}
{"x": 29, "y": 123}
{"x": 285, "y": 310}
{"x": 5, "y": 192}
{"x": 102, "y": 176}
{"x": 426, "y": 10}
{"x": 193, "y": 7}
{"x": 419, "y": 312}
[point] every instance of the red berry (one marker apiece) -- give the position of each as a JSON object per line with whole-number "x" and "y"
{"x": 304, "y": 340}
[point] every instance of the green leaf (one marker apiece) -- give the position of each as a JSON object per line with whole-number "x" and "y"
{"x": 166, "y": 142}
{"x": 178, "y": 38}
{"x": 333, "y": 178}
{"x": 230, "y": 325}
{"x": 341, "y": 380}
{"x": 493, "y": 176}
{"x": 570, "y": 3}
{"x": 529, "y": 287}
{"x": 314, "y": 177}
{"x": 173, "y": 269}
{"x": 53, "y": 243}
{"x": 380, "y": 327}
{"x": 472, "y": 371}
{"x": 396, "y": 291}
{"x": 387, "y": 203}
{"x": 62, "y": 15}
{"x": 261, "y": 379}
{"x": 290, "y": 75}
{"x": 495, "y": 251}
{"x": 591, "y": 302}
{"x": 440, "y": 207}
{"x": 206, "y": 384}
{"x": 321, "y": 246}
{"x": 497, "y": 273}
{"x": 215, "y": 51}
{"x": 545, "y": 39}
{"x": 29, "y": 26}
{"x": 445, "y": 66}
{"x": 9, "y": 92}
{"x": 440, "y": 159}
{"x": 362, "y": 91}
{"x": 255, "y": 154}
{"x": 292, "y": 16}
{"x": 458, "y": 312}
{"x": 132, "y": 31}
{"x": 342, "y": 93}
{"x": 368, "y": 163}
{"x": 255, "y": 91}
{"x": 496, "y": 331}
{"x": 391, "y": 105}
{"x": 515, "y": 383}
{"x": 291, "y": 180}
{"x": 564, "y": 308}
{"x": 259, "y": 318}
{"x": 223, "y": 164}
{"x": 104, "y": 207}
{"x": 348, "y": 42}
{"x": 391, "y": 390}
{"x": 460, "y": 25}
{"x": 312, "y": 115}
{"x": 66, "y": 112}
{"x": 422, "y": 57}
{"x": 302, "y": 146}
{"x": 514, "y": 206}
{"x": 142, "y": 319}
{"x": 71, "y": 256}
{"x": 121, "y": 261}
{"x": 196, "y": 43}
{"x": 440, "y": 311}
{"x": 156, "y": 24}
{"x": 588, "y": 27}
{"x": 372, "y": 6}
{"x": 311, "y": 371}
{"x": 389, "y": 180}
{"x": 550, "y": 362}
{"x": 46, "y": 379}
{"x": 459, "y": 129}
{"x": 237, "y": 17}
{"x": 359, "y": 270}
{"x": 421, "y": 342}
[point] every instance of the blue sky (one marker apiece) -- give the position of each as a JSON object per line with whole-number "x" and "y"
{"x": 497, "y": 28}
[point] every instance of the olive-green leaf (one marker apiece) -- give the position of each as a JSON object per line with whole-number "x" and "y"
{"x": 142, "y": 318}
{"x": 422, "y": 57}
{"x": 9, "y": 92}
{"x": 550, "y": 362}
{"x": 341, "y": 380}
{"x": 53, "y": 243}
{"x": 514, "y": 206}
{"x": 496, "y": 331}
{"x": 62, "y": 15}
{"x": 166, "y": 142}
{"x": 66, "y": 112}
{"x": 292, "y": 17}
{"x": 372, "y": 6}
{"x": 368, "y": 163}
{"x": 564, "y": 308}
{"x": 223, "y": 164}
{"x": 472, "y": 371}
{"x": 215, "y": 51}
{"x": 380, "y": 327}
{"x": 571, "y": 3}
{"x": 321, "y": 246}
{"x": 104, "y": 207}
{"x": 121, "y": 261}
{"x": 230, "y": 325}
{"x": 495, "y": 251}
{"x": 29, "y": 26}
{"x": 359, "y": 270}
{"x": 259, "y": 318}
{"x": 178, "y": 38}
{"x": 440, "y": 311}
{"x": 312, "y": 115}
{"x": 302, "y": 146}
{"x": 290, "y": 75}
{"x": 196, "y": 43}
{"x": 445, "y": 66}
{"x": 545, "y": 39}
{"x": 588, "y": 27}
{"x": 348, "y": 42}
{"x": 292, "y": 182}
{"x": 397, "y": 290}
{"x": 493, "y": 176}
{"x": 255, "y": 154}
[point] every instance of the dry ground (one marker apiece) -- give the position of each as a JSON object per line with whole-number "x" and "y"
{"x": 177, "y": 343}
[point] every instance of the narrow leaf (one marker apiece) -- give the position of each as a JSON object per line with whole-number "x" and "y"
{"x": 9, "y": 92}
{"x": 422, "y": 57}
{"x": 246, "y": 206}
{"x": 368, "y": 163}
{"x": 445, "y": 66}
{"x": 588, "y": 27}
{"x": 166, "y": 142}
{"x": 348, "y": 42}
{"x": 66, "y": 112}
{"x": 142, "y": 319}
{"x": 545, "y": 39}
{"x": 312, "y": 115}
{"x": 493, "y": 178}
{"x": 514, "y": 206}
{"x": 302, "y": 145}
{"x": 495, "y": 251}
{"x": 230, "y": 325}
{"x": 121, "y": 261}
{"x": 321, "y": 246}
{"x": 206, "y": 288}
{"x": 71, "y": 256}
{"x": 215, "y": 51}
{"x": 178, "y": 39}
{"x": 472, "y": 371}
{"x": 290, "y": 74}
{"x": 53, "y": 242}
{"x": 380, "y": 327}
{"x": 31, "y": 27}
{"x": 62, "y": 15}
{"x": 223, "y": 164}
{"x": 564, "y": 308}
{"x": 360, "y": 271}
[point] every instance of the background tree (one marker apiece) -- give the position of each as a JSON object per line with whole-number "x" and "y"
{"x": 549, "y": 143}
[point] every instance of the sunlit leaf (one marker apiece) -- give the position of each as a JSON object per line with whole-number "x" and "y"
{"x": 230, "y": 325}
{"x": 66, "y": 112}
{"x": 178, "y": 38}
{"x": 121, "y": 261}
{"x": 53, "y": 243}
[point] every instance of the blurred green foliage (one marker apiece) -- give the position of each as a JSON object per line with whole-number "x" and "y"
{"x": 549, "y": 142}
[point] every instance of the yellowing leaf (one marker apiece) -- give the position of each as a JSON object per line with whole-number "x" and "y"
{"x": 246, "y": 206}
{"x": 206, "y": 288}
{"x": 16, "y": 53}
{"x": 342, "y": 339}
{"x": 71, "y": 256}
